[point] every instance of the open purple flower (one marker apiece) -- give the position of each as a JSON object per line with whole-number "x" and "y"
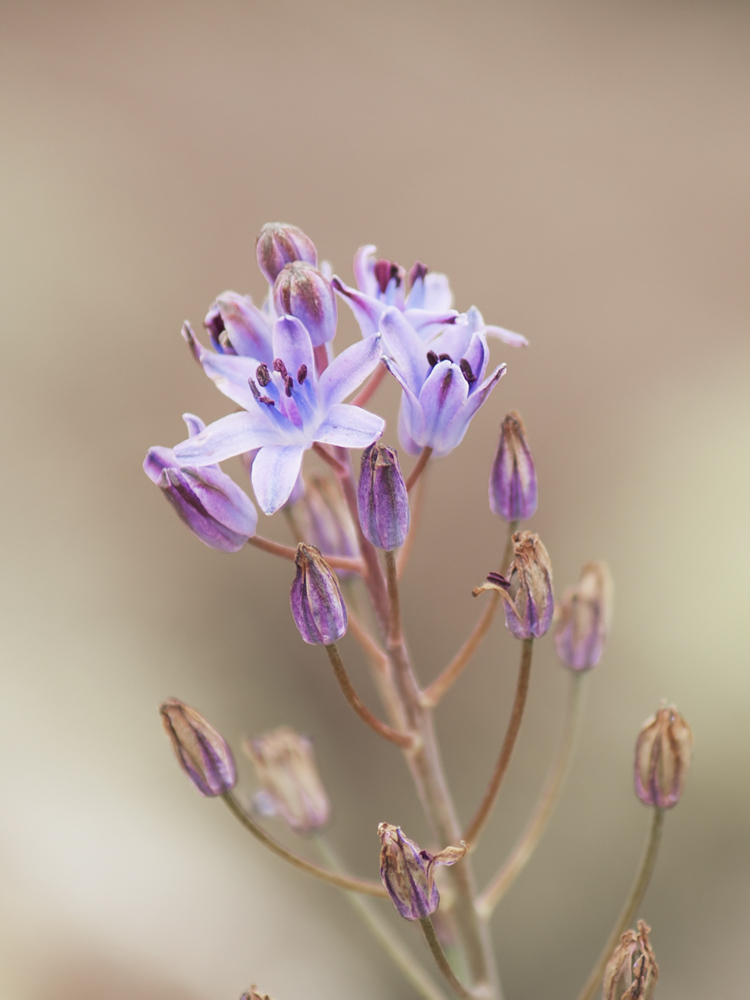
{"x": 443, "y": 379}
{"x": 287, "y": 408}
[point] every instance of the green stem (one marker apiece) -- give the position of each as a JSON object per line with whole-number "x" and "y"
{"x": 526, "y": 843}
{"x": 630, "y": 908}
{"x": 442, "y": 961}
{"x": 409, "y": 965}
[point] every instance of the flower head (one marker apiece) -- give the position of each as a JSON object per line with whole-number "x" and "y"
{"x": 513, "y": 487}
{"x": 201, "y": 752}
{"x": 210, "y": 503}
{"x": 585, "y": 615}
{"x": 287, "y": 408}
{"x": 408, "y": 872}
{"x": 662, "y": 758}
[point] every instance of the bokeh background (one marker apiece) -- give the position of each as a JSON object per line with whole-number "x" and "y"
{"x": 580, "y": 170}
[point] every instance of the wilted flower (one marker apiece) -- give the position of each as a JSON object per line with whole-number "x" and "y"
{"x": 632, "y": 968}
{"x": 280, "y": 244}
{"x": 254, "y": 994}
{"x": 408, "y": 872}
{"x": 325, "y": 520}
{"x": 210, "y": 503}
{"x": 288, "y": 408}
{"x": 202, "y": 753}
{"x": 317, "y": 605}
{"x": 585, "y": 615}
{"x": 527, "y": 590}
{"x": 236, "y": 325}
{"x": 513, "y": 486}
{"x": 382, "y": 498}
{"x": 302, "y": 291}
{"x": 662, "y": 758}
{"x": 285, "y": 767}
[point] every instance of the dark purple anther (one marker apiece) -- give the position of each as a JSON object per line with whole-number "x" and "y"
{"x": 302, "y": 374}
{"x": 288, "y": 385}
{"x": 280, "y": 244}
{"x": 317, "y": 605}
{"x": 385, "y": 271}
{"x": 432, "y": 358}
{"x": 202, "y": 753}
{"x": 280, "y": 367}
{"x": 303, "y": 292}
{"x": 263, "y": 375}
{"x": 382, "y": 498}
{"x": 445, "y": 357}
{"x": 513, "y": 484}
{"x": 417, "y": 272}
{"x": 408, "y": 872}
{"x": 468, "y": 374}
{"x": 254, "y": 388}
{"x": 267, "y": 400}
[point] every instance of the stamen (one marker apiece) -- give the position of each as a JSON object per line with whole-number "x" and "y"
{"x": 418, "y": 270}
{"x": 263, "y": 375}
{"x": 254, "y": 388}
{"x": 432, "y": 358}
{"x": 280, "y": 367}
{"x": 499, "y": 579}
{"x": 302, "y": 374}
{"x": 465, "y": 367}
{"x": 267, "y": 400}
{"x": 385, "y": 270}
{"x": 445, "y": 357}
{"x": 288, "y": 382}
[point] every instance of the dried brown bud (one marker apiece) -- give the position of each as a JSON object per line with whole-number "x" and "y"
{"x": 662, "y": 758}
{"x": 527, "y": 591}
{"x": 408, "y": 872}
{"x": 585, "y": 615}
{"x": 254, "y": 994}
{"x": 632, "y": 968}
{"x": 203, "y": 754}
{"x": 285, "y": 767}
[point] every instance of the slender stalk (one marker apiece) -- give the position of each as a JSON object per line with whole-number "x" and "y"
{"x": 418, "y": 469}
{"x": 287, "y": 552}
{"x": 522, "y": 688}
{"x": 409, "y": 964}
{"x": 368, "y": 389}
{"x": 630, "y": 908}
{"x": 435, "y": 691}
{"x": 527, "y": 842}
{"x": 404, "y": 740}
{"x": 442, "y": 961}
{"x": 417, "y": 506}
{"x": 338, "y": 467}
{"x": 395, "y": 633}
{"x": 333, "y": 878}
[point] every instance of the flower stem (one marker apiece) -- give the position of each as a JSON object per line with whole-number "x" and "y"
{"x": 333, "y": 878}
{"x": 632, "y": 903}
{"x": 409, "y": 965}
{"x": 525, "y": 845}
{"x": 417, "y": 506}
{"x": 404, "y": 740}
{"x": 485, "y": 806}
{"x": 418, "y": 469}
{"x": 442, "y": 961}
{"x": 369, "y": 388}
{"x": 338, "y": 467}
{"x": 287, "y": 552}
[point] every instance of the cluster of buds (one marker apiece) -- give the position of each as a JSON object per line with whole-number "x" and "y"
{"x": 632, "y": 972}
{"x": 662, "y": 758}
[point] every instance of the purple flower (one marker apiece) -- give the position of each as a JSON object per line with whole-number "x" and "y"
{"x": 210, "y": 503}
{"x": 513, "y": 485}
{"x": 236, "y": 326}
{"x": 287, "y": 408}
{"x": 382, "y": 498}
{"x": 317, "y": 605}
{"x": 442, "y": 379}
{"x": 408, "y": 872}
{"x": 203, "y": 754}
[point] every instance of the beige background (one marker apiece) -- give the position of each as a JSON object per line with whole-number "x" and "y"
{"x": 580, "y": 170}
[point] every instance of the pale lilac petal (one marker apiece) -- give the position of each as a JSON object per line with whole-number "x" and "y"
{"x": 223, "y": 499}
{"x": 291, "y": 343}
{"x": 348, "y": 426}
{"x": 275, "y": 472}
{"x": 437, "y": 292}
{"x": 156, "y": 461}
{"x": 402, "y": 343}
{"x": 229, "y": 436}
{"x": 348, "y": 371}
{"x": 477, "y": 354}
{"x": 247, "y": 327}
{"x": 507, "y": 336}
{"x": 404, "y": 420}
{"x": 194, "y": 424}
{"x": 427, "y": 322}
{"x": 231, "y": 375}
{"x": 411, "y": 417}
{"x": 453, "y": 341}
{"x": 442, "y": 396}
{"x": 364, "y": 270}
{"x": 366, "y": 308}
{"x": 480, "y": 394}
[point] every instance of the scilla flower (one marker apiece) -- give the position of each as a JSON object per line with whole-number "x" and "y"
{"x": 287, "y": 408}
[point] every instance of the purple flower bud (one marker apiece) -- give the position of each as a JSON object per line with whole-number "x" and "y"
{"x": 285, "y": 767}
{"x": 210, "y": 503}
{"x": 382, "y": 498}
{"x": 662, "y": 757}
{"x": 513, "y": 486}
{"x": 527, "y": 591}
{"x": 585, "y": 615}
{"x": 408, "y": 872}
{"x": 326, "y": 521}
{"x": 280, "y": 244}
{"x": 202, "y": 753}
{"x": 317, "y": 605}
{"x": 302, "y": 291}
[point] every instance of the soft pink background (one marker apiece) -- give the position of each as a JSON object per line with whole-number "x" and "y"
{"x": 580, "y": 170}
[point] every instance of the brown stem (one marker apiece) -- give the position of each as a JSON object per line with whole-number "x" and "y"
{"x": 333, "y": 878}
{"x": 522, "y": 688}
{"x": 442, "y": 962}
{"x": 630, "y": 908}
{"x": 526, "y": 843}
{"x": 418, "y": 469}
{"x": 370, "y": 387}
{"x": 287, "y": 552}
{"x": 338, "y": 467}
{"x": 404, "y": 740}
{"x": 395, "y": 635}
{"x": 417, "y": 505}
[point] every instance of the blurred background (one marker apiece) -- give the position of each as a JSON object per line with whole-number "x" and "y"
{"x": 580, "y": 171}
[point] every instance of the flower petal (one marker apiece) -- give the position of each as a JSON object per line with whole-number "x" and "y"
{"x": 442, "y": 396}
{"x": 194, "y": 424}
{"x": 364, "y": 269}
{"x": 411, "y": 417}
{"x": 366, "y": 308}
{"x": 402, "y": 343}
{"x": 348, "y": 371}
{"x": 223, "y": 499}
{"x": 275, "y": 472}
{"x": 350, "y": 426}
{"x": 156, "y": 461}
{"x": 231, "y": 374}
{"x": 437, "y": 292}
{"x": 427, "y": 322}
{"x": 507, "y": 336}
{"x": 224, "y": 438}
{"x": 248, "y": 329}
{"x": 291, "y": 343}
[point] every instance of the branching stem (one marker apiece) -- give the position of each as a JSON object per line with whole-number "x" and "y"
{"x": 287, "y": 552}
{"x": 419, "y": 468}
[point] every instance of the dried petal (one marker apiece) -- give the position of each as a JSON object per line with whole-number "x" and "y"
{"x": 585, "y": 616}
{"x": 527, "y": 590}
{"x": 662, "y": 758}
{"x": 408, "y": 872}
{"x": 632, "y": 972}
{"x": 202, "y": 753}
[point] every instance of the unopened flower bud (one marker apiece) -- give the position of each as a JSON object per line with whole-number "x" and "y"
{"x": 527, "y": 590}
{"x": 202, "y": 753}
{"x": 284, "y": 764}
{"x": 585, "y": 614}
{"x": 631, "y": 972}
{"x": 382, "y": 498}
{"x": 317, "y": 605}
{"x": 662, "y": 758}
{"x": 326, "y": 521}
{"x": 302, "y": 291}
{"x": 280, "y": 244}
{"x": 513, "y": 486}
{"x": 408, "y": 872}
